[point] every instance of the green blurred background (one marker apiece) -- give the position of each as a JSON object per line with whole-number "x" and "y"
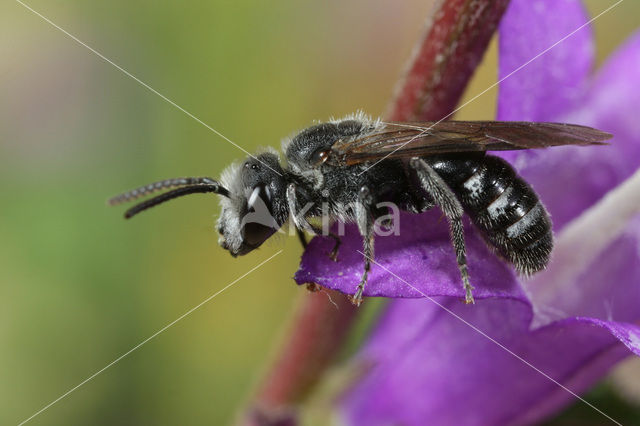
{"x": 79, "y": 286}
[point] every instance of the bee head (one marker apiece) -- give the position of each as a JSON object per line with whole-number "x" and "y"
{"x": 253, "y": 200}
{"x": 256, "y": 205}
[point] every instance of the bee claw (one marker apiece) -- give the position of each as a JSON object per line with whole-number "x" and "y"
{"x": 334, "y": 252}
{"x": 356, "y": 299}
{"x": 313, "y": 287}
{"x": 468, "y": 297}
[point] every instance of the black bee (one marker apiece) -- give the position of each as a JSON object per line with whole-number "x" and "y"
{"x": 350, "y": 166}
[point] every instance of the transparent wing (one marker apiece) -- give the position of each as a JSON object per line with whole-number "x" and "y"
{"x": 406, "y": 140}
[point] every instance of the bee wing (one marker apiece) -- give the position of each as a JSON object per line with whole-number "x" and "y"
{"x": 406, "y": 140}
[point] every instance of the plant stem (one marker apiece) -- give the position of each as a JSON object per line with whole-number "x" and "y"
{"x": 316, "y": 331}
{"x": 455, "y": 40}
{"x": 456, "y": 37}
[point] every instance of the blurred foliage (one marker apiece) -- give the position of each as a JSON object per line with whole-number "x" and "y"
{"x": 79, "y": 285}
{"x": 605, "y": 398}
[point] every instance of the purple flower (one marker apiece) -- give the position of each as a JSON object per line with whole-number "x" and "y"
{"x": 502, "y": 360}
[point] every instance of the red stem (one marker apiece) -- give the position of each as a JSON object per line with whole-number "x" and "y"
{"x": 455, "y": 40}
{"x": 316, "y": 332}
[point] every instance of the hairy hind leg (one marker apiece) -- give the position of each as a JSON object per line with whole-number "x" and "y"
{"x": 444, "y": 198}
{"x": 364, "y": 220}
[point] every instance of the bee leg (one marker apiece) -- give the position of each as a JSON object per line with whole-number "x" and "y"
{"x": 364, "y": 219}
{"x": 444, "y": 198}
{"x": 336, "y": 246}
{"x": 303, "y": 225}
{"x": 298, "y": 219}
{"x": 302, "y": 238}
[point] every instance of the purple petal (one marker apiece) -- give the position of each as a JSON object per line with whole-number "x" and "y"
{"x": 428, "y": 367}
{"x": 607, "y": 288}
{"x": 550, "y": 85}
{"x": 421, "y": 254}
{"x": 587, "y": 173}
{"x": 422, "y": 361}
{"x": 610, "y": 101}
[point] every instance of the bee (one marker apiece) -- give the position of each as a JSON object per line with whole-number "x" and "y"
{"x": 352, "y": 165}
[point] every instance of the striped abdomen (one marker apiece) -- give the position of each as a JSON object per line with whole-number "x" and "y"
{"x": 502, "y": 205}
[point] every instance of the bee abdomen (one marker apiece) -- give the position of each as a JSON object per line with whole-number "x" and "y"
{"x": 506, "y": 209}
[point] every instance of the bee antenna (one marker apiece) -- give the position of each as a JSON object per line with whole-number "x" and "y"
{"x": 179, "y": 192}
{"x": 158, "y": 186}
